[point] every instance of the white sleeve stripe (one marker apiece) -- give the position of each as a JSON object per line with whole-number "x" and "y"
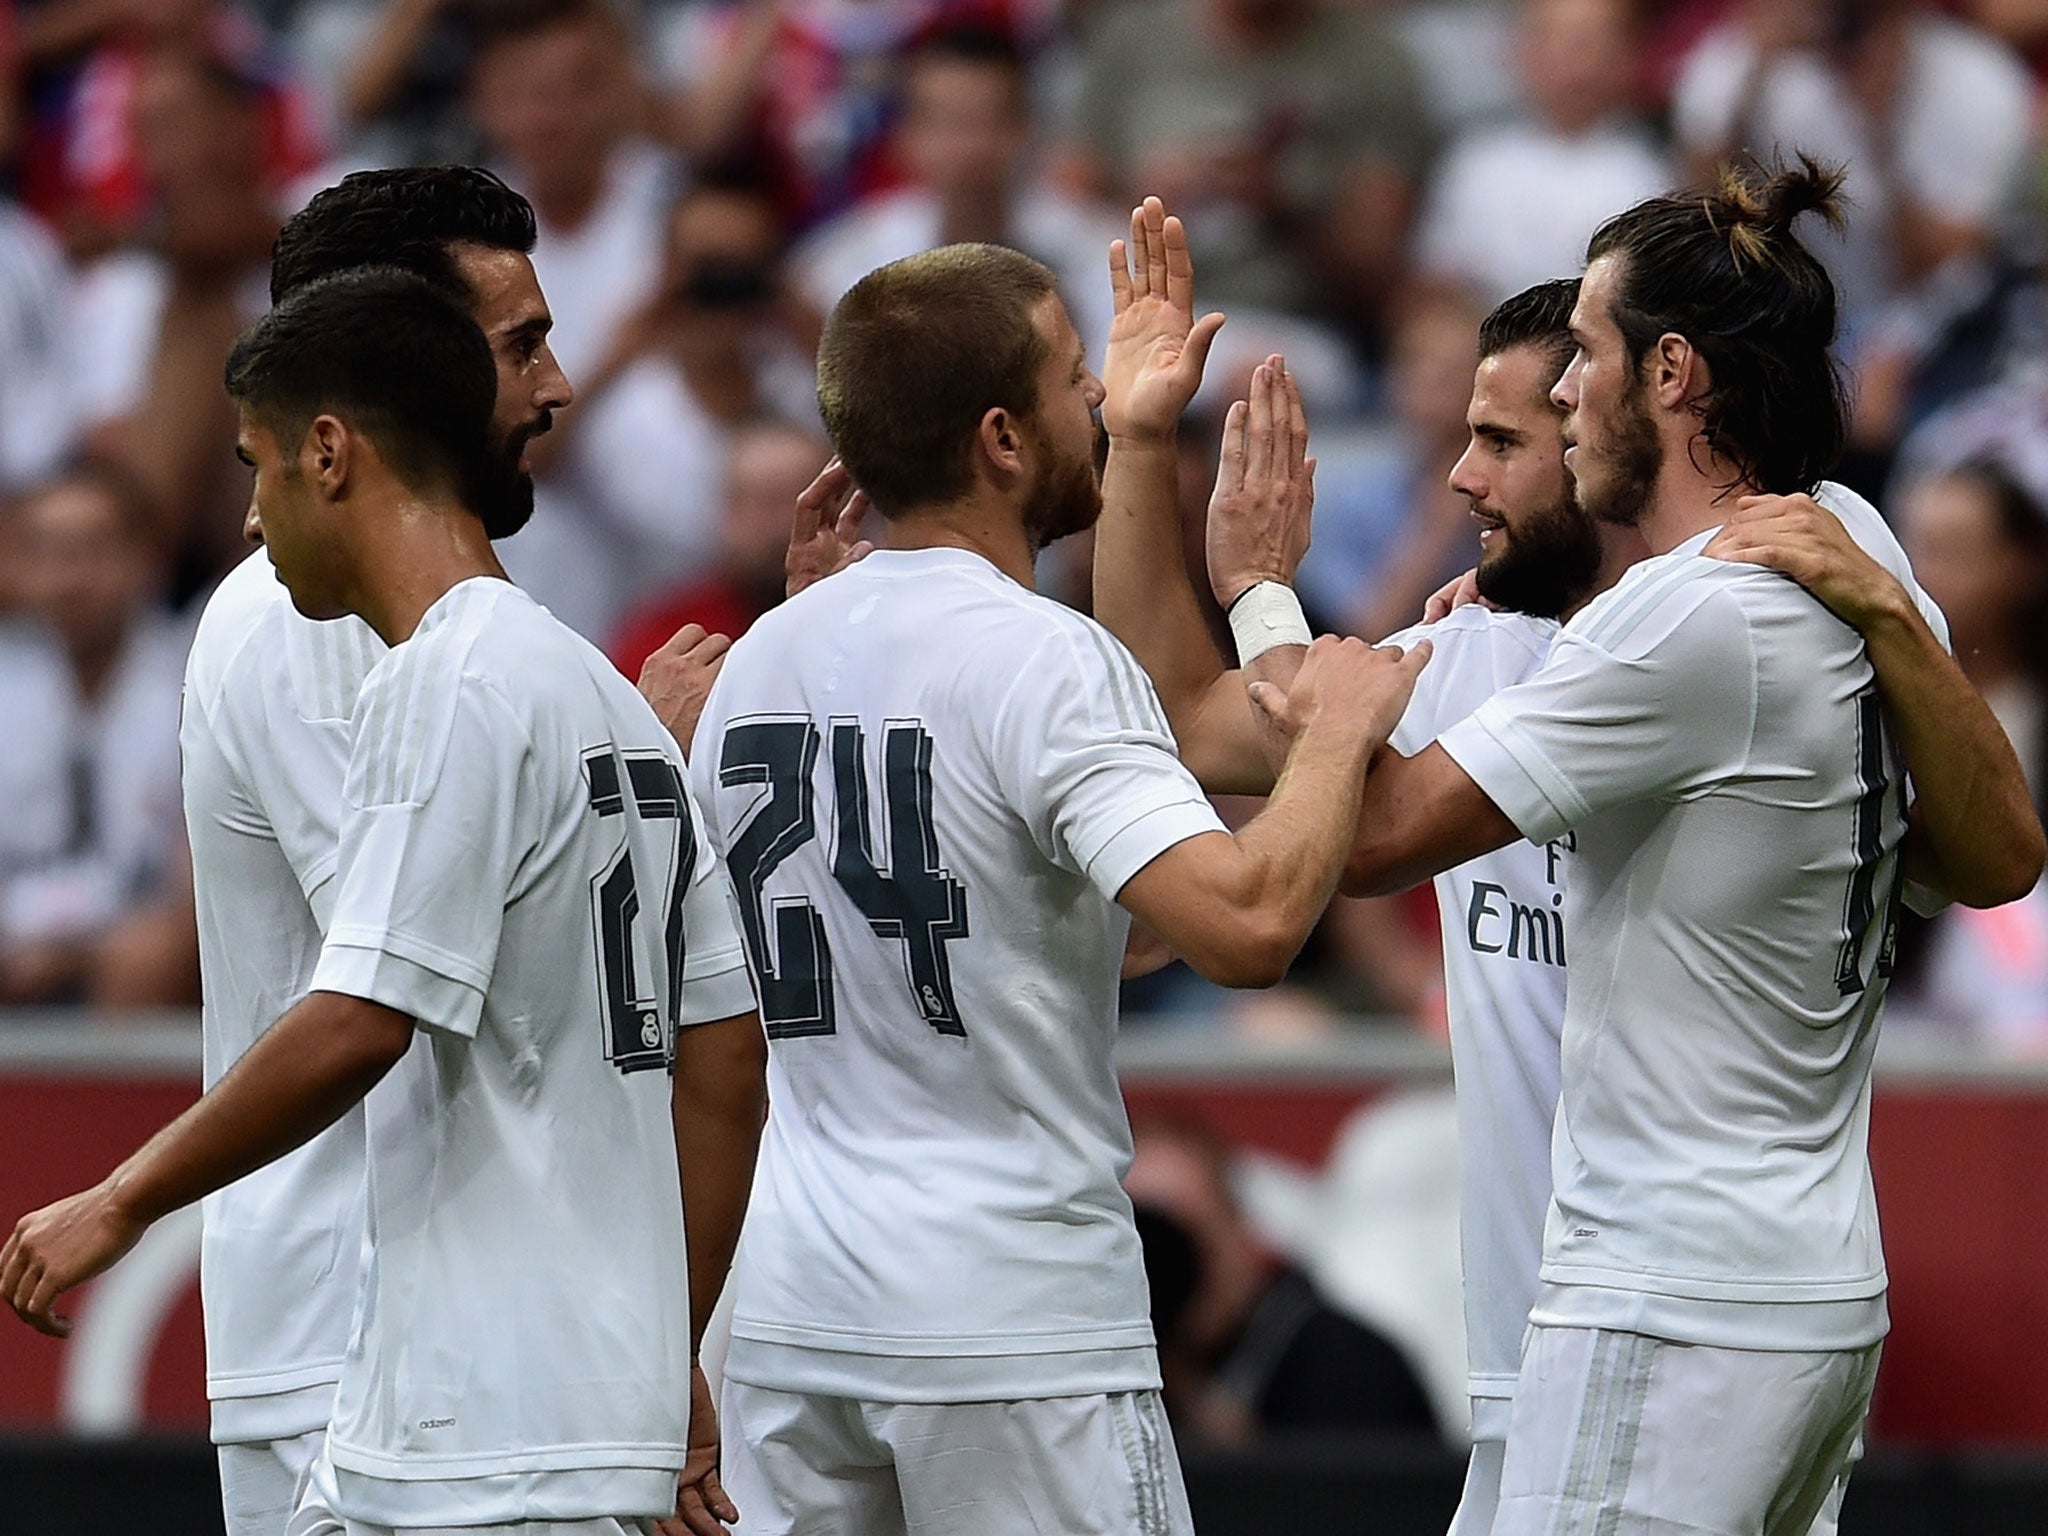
{"x": 1618, "y": 623}
{"x": 1124, "y": 713}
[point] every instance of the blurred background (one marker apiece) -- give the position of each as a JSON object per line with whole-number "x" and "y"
{"x": 1362, "y": 179}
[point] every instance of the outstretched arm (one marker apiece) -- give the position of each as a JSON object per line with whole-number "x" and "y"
{"x": 1974, "y": 835}
{"x": 1143, "y": 594}
{"x": 297, "y": 1079}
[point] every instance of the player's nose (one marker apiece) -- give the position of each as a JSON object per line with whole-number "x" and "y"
{"x": 252, "y": 526}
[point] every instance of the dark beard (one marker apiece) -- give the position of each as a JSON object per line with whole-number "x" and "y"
{"x": 1066, "y": 500}
{"x": 507, "y": 503}
{"x": 1546, "y": 566}
{"x": 1632, "y": 462}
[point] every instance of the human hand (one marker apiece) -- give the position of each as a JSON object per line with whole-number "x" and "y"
{"x": 1261, "y": 510}
{"x": 826, "y": 536}
{"x": 1157, "y": 348}
{"x": 58, "y": 1247}
{"x": 1798, "y": 537}
{"x": 702, "y": 1505}
{"x": 1345, "y": 684}
{"x": 677, "y": 679}
{"x": 1453, "y": 595}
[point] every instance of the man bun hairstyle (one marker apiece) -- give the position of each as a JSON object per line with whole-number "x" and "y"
{"x": 916, "y": 354}
{"x": 1723, "y": 269}
{"x": 392, "y": 356}
{"x": 406, "y": 217}
{"x": 1536, "y": 317}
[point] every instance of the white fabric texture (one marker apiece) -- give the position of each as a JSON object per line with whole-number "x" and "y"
{"x": 261, "y": 1483}
{"x": 937, "y": 1214}
{"x": 1621, "y": 1433}
{"x": 1713, "y": 736}
{"x": 524, "y": 873}
{"x": 1099, "y": 1465}
{"x": 265, "y": 740}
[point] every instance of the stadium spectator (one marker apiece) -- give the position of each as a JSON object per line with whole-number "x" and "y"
{"x": 155, "y": 321}
{"x": 966, "y": 142}
{"x": 807, "y": 89}
{"x": 1931, "y": 117}
{"x": 1513, "y": 204}
{"x": 1247, "y": 1346}
{"x": 554, "y": 89}
{"x": 1389, "y": 529}
{"x": 1290, "y": 132}
{"x": 92, "y": 858}
{"x": 38, "y": 386}
{"x": 87, "y": 162}
{"x": 1979, "y": 541}
{"x": 639, "y": 473}
{"x": 768, "y": 463}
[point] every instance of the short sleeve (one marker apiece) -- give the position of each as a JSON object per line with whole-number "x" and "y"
{"x": 716, "y": 983}
{"x": 1083, "y": 752}
{"x": 440, "y": 813}
{"x": 1633, "y": 706}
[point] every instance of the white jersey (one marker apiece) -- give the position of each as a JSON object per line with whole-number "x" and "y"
{"x": 930, "y": 785}
{"x": 1714, "y": 737}
{"x": 1504, "y": 988}
{"x": 265, "y": 741}
{"x": 522, "y": 871}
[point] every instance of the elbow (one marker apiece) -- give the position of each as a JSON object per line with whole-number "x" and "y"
{"x": 1253, "y": 956}
{"x": 2017, "y": 873}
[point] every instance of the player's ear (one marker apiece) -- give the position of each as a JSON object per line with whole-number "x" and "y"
{"x": 326, "y": 456}
{"x": 1000, "y": 438}
{"x": 1677, "y": 372}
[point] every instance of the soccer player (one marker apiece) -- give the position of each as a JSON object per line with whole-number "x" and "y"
{"x": 523, "y": 914}
{"x": 1504, "y": 938}
{"x": 939, "y": 794}
{"x": 265, "y": 743}
{"x": 1730, "y": 769}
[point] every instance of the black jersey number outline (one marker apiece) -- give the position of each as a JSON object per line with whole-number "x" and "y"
{"x": 639, "y": 1031}
{"x": 1860, "y": 906}
{"x": 914, "y": 901}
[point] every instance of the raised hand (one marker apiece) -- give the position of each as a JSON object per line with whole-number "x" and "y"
{"x": 677, "y": 679}
{"x": 1157, "y": 348}
{"x": 1260, "y": 511}
{"x": 1799, "y": 537}
{"x": 825, "y": 538}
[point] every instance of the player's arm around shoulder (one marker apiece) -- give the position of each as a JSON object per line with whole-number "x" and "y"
{"x": 1974, "y": 836}
{"x": 1238, "y": 908}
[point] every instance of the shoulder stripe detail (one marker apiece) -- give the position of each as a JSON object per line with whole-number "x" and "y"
{"x": 1126, "y": 714}
{"x": 1611, "y": 628}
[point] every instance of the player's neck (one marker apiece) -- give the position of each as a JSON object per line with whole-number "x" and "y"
{"x": 990, "y": 531}
{"x": 1694, "y": 493}
{"x": 416, "y": 553}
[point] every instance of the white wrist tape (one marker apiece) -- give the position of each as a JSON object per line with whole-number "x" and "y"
{"x": 1264, "y": 616}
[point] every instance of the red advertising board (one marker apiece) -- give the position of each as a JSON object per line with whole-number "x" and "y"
{"x": 1961, "y": 1154}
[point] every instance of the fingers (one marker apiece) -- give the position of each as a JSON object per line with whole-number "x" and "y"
{"x": 1201, "y": 337}
{"x": 851, "y": 516}
{"x": 1417, "y": 657}
{"x": 1140, "y": 274}
{"x": 1259, "y": 445}
{"x": 1119, "y": 276}
{"x": 717, "y": 1500}
{"x": 825, "y": 491}
{"x": 1180, "y": 266}
{"x": 1269, "y": 701}
{"x": 1297, "y": 423}
{"x": 1230, "y": 466}
{"x": 1154, "y": 215}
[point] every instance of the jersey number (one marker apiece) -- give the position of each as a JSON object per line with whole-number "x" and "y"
{"x": 1860, "y": 908}
{"x": 912, "y": 900}
{"x": 639, "y": 1032}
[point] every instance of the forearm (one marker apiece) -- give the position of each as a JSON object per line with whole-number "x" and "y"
{"x": 719, "y": 1100}
{"x": 1976, "y": 837}
{"x": 1143, "y": 593}
{"x": 300, "y": 1077}
{"x": 379, "y": 75}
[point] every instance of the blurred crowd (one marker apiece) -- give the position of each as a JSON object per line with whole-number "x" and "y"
{"x": 1361, "y": 179}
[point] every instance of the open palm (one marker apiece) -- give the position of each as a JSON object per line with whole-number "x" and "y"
{"x": 1156, "y": 346}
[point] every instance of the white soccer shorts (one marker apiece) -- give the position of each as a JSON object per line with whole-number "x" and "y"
{"x": 315, "y": 1516}
{"x": 1628, "y": 1435}
{"x": 262, "y": 1481}
{"x": 799, "y": 1464}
